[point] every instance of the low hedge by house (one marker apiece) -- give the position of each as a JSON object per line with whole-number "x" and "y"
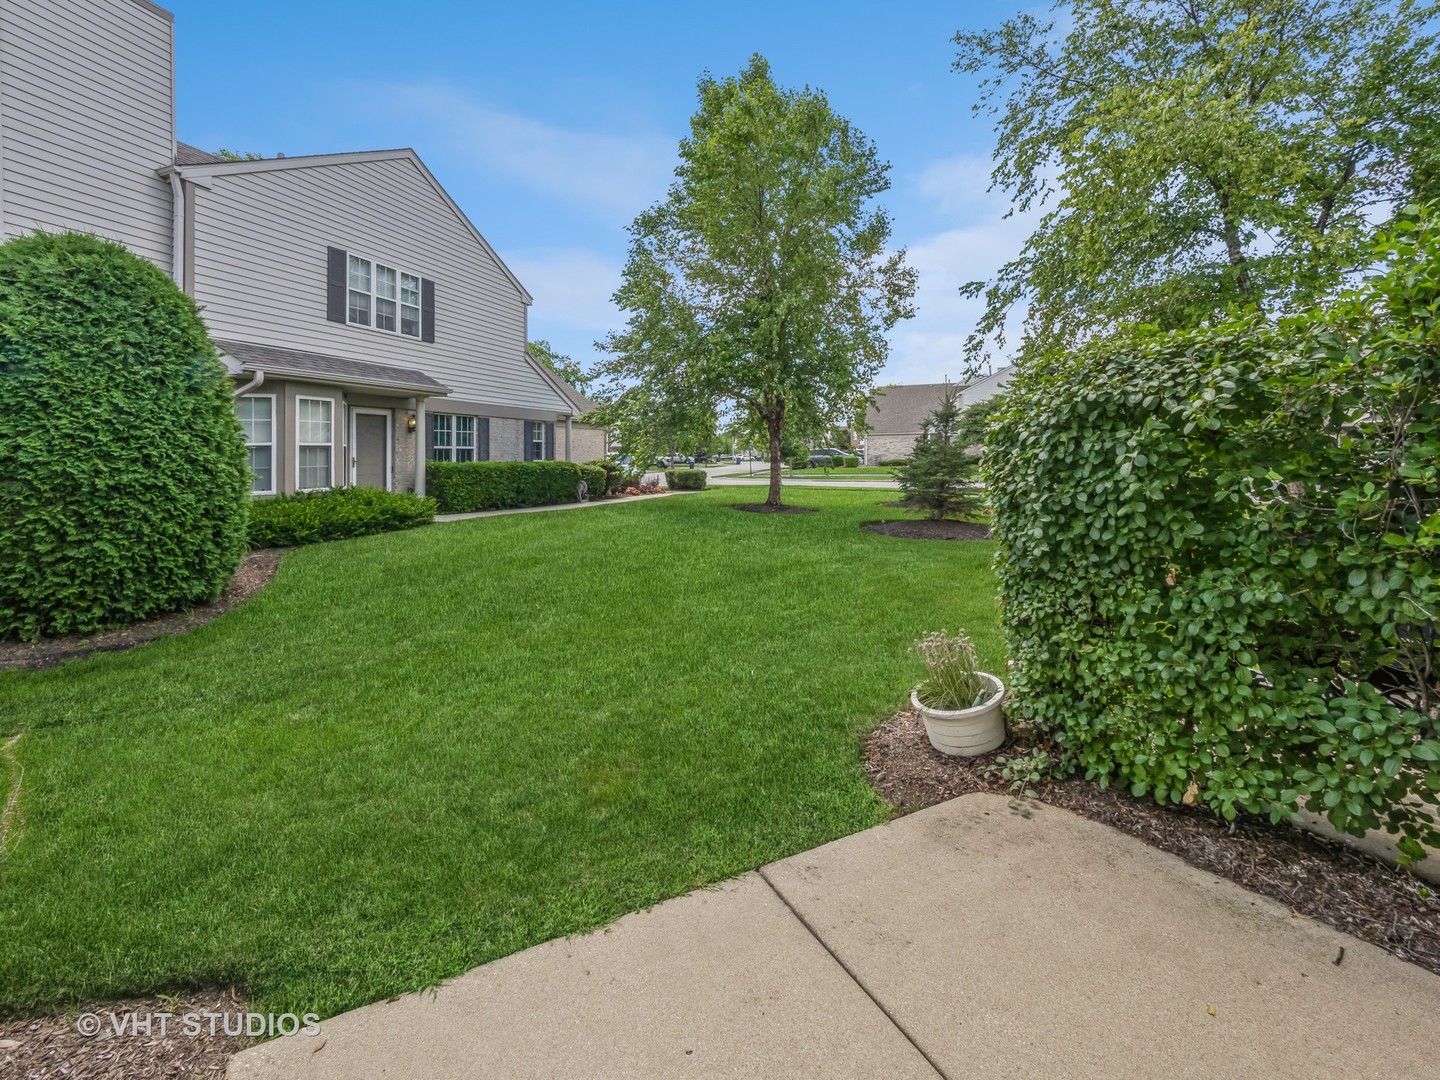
{"x": 469, "y": 486}
{"x": 850, "y": 461}
{"x": 340, "y": 514}
{"x": 685, "y": 479}
{"x": 595, "y": 481}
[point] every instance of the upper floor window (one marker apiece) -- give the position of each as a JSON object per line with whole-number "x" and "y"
{"x": 382, "y": 297}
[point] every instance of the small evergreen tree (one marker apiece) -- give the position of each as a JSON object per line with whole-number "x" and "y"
{"x": 940, "y": 477}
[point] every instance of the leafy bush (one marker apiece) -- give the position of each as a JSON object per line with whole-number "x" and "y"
{"x": 1218, "y": 556}
{"x": 312, "y": 517}
{"x": 124, "y": 480}
{"x": 850, "y": 461}
{"x": 941, "y": 477}
{"x": 595, "y": 479}
{"x": 615, "y": 478}
{"x": 685, "y": 479}
{"x": 464, "y": 487}
{"x": 801, "y": 461}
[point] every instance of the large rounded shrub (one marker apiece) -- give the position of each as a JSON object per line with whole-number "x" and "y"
{"x": 124, "y": 485}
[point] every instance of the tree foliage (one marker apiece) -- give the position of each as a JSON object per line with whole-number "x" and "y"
{"x": 124, "y": 482}
{"x": 1218, "y": 555}
{"x": 762, "y": 283}
{"x": 941, "y": 477}
{"x": 565, "y": 366}
{"x": 1199, "y": 157}
{"x": 975, "y": 420}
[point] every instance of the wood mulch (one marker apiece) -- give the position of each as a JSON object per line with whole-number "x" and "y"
{"x": 51, "y": 1047}
{"x": 930, "y": 530}
{"x": 766, "y": 508}
{"x": 257, "y": 570}
{"x": 1315, "y": 878}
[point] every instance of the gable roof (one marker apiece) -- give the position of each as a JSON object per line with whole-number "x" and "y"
{"x": 273, "y": 361}
{"x": 901, "y": 410}
{"x": 185, "y": 154}
{"x": 204, "y": 170}
{"x": 579, "y": 403}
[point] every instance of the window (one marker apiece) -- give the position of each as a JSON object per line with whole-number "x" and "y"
{"x": 257, "y": 418}
{"x": 537, "y": 440}
{"x": 383, "y": 297}
{"x": 314, "y": 441}
{"x": 452, "y": 438}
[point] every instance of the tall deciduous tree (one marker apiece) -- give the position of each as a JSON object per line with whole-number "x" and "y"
{"x": 1199, "y": 156}
{"x": 762, "y": 284}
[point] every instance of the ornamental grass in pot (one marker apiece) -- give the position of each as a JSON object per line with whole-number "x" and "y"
{"x": 959, "y": 703}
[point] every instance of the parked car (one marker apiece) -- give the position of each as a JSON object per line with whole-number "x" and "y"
{"x": 825, "y": 458}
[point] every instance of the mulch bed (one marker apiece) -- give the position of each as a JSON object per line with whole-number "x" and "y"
{"x": 254, "y": 574}
{"x": 1315, "y": 878}
{"x": 930, "y": 530}
{"x": 50, "y": 1047}
{"x": 765, "y": 508}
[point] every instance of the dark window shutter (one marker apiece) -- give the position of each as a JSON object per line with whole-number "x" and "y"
{"x": 427, "y": 310}
{"x": 336, "y": 278}
{"x": 482, "y": 438}
{"x": 550, "y": 442}
{"x": 429, "y": 437}
{"x": 528, "y": 428}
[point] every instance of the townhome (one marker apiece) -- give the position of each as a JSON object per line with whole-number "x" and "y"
{"x": 367, "y": 324}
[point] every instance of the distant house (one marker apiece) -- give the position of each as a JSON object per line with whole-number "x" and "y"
{"x": 588, "y": 442}
{"x": 366, "y": 323}
{"x": 895, "y": 418}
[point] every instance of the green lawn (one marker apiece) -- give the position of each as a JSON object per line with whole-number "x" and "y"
{"x": 417, "y": 752}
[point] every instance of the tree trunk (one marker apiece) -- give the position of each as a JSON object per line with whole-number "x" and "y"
{"x": 775, "y": 424}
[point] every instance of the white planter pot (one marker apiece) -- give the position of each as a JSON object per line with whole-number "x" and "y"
{"x": 965, "y": 732}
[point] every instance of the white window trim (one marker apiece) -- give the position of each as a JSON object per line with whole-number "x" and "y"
{"x": 400, "y": 271}
{"x": 299, "y": 444}
{"x": 453, "y": 447}
{"x": 356, "y": 410}
{"x": 274, "y": 462}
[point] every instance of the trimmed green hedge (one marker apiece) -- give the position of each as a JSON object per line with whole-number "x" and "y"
{"x": 316, "y": 516}
{"x": 595, "y": 478}
{"x": 850, "y": 461}
{"x": 1217, "y": 556}
{"x": 685, "y": 479}
{"x": 124, "y": 479}
{"x": 470, "y": 486}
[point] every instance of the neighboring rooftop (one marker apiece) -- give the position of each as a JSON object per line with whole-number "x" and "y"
{"x": 901, "y": 410}
{"x": 185, "y": 154}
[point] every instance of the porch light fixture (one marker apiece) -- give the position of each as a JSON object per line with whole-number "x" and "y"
{"x": 410, "y": 422}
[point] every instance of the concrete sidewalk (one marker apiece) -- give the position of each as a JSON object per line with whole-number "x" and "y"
{"x": 961, "y": 941}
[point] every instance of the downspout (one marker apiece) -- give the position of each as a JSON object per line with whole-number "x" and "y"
{"x": 251, "y": 385}
{"x": 177, "y": 229}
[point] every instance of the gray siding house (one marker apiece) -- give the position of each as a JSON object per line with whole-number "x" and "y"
{"x": 894, "y": 418}
{"x": 366, "y": 322}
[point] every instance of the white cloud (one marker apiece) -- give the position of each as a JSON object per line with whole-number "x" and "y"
{"x": 931, "y": 346}
{"x": 612, "y": 174}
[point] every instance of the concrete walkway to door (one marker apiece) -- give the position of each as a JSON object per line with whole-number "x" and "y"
{"x": 963, "y": 941}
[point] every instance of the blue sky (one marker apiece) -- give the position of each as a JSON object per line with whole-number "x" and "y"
{"x": 553, "y": 124}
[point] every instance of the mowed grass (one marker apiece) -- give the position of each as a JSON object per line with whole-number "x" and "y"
{"x": 418, "y": 752}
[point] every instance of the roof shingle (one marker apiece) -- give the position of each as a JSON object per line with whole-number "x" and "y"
{"x": 338, "y": 368}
